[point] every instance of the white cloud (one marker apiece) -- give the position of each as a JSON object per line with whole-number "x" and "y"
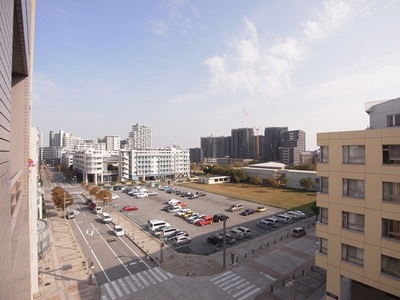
{"x": 336, "y": 13}
{"x": 159, "y": 27}
{"x": 252, "y": 67}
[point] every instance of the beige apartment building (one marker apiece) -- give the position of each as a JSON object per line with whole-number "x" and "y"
{"x": 18, "y": 206}
{"x": 359, "y": 200}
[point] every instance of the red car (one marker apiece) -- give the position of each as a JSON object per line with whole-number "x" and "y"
{"x": 205, "y": 221}
{"x": 130, "y": 208}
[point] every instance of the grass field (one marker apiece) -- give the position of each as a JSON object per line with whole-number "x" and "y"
{"x": 282, "y": 198}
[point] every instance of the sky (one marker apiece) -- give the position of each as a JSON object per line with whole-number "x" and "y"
{"x": 192, "y": 69}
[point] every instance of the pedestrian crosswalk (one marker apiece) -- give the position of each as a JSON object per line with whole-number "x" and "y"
{"x": 236, "y": 286}
{"x": 75, "y": 193}
{"x": 131, "y": 284}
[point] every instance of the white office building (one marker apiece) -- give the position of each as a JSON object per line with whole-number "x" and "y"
{"x": 140, "y": 137}
{"x": 152, "y": 164}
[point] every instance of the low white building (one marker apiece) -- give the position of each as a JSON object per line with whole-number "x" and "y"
{"x": 277, "y": 171}
{"x": 212, "y": 179}
{"x": 153, "y": 163}
{"x": 91, "y": 164}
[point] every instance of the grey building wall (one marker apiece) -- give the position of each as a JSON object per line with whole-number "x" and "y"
{"x": 272, "y": 142}
{"x": 16, "y": 277}
{"x": 242, "y": 143}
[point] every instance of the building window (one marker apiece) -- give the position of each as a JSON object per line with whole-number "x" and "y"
{"x": 324, "y": 185}
{"x": 323, "y": 215}
{"x": 353, "y": 254}
{"x": 393, "y": 120}
{"x": 391, "y": 154}
{"x": 323, "y": 246}
{"x": 391, "y": 229}
{"x": 390, "y": 266}
{"x": 353, "y": 154}
{"x": 354, "y": 188}
{"x": 324, "y": 153}
{"x": 391, "y": 191}
{"x": 353, "y": 221}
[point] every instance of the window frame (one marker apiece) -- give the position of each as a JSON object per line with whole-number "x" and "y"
{"x": 390, "y": 154}
{"x": 353, "y": 221}
{"x": 391, "y": 229}
{"x": 323, "y": 246}
{"x": 391, "y": 192}
{"x": 353, "y": 254}
{"x": 390, "y": 266}
{"x": 324, "y": 216}
{"x": 353, "y": 154}
{"x": 348, "y": 188}
{"x": 324, "y": 154}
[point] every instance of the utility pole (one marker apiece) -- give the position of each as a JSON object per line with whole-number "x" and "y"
{"x": 224, "y": 245}
{"x": 90, "y": 232}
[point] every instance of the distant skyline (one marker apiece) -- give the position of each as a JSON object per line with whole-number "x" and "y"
{"x": 190, "y": 69}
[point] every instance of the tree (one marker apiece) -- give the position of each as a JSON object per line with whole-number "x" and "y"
{"x": 256, "y": 180}
{"x": 307, "y": 183}
{"x": 61, "y": 198}
{"x": 105, "y": 196}
{"x": 238, "y": 175}
{"x": 284, "y": 181}
{"x": 315, "y": 210}
{"x": 93, "y": 190}
{"x": 270, "y": 181}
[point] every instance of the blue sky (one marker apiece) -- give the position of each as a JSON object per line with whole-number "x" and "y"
{"x": 192, "y": 69}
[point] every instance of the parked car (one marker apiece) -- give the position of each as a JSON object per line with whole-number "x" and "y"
{"x": 237, "y": 234}
{"x": 180, "y": 240}
{"x": 200, "y": 193}
{"x": 265, "y": 225}
{"x": 114, "y": 196}
{"x": 193, "y": 197}
{"x": 194, "y": 220}
{"x": 300, "y": 213}
{"x": 152, "y": 193}
{"x": 180, "y": 203}
{"x": 175, "y": 208}
{"x": 118, "y": 231}
{"x": 215, "y": 239}
{"x": 292, "y": 214}
{"x": 261, "y": 209}
{"x": 247, "y": 212}
{"x": 299, "y": 231}
{"x": 205, "y": 221}
{"x": 130, "y": 208}
{"x": 228, "y": 237}
{"x": 193, "y": 216}
{"x": 220, "y": 217}
{"x": 246, "y": 231}
{"x": 183, "y": 211}
{"x": 178, "y": 234}
{"x": 187, "y": 214}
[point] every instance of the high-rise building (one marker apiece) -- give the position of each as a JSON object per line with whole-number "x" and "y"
{"x": 242, "y": 143}
{"x": 216, "y": 147}
{"x": 359, "y": 201}
{"x": 56, "y": 139}
{"x": 292, "y": 144}
{"x": 18, "y": 172}
{"x": 140, "y": 137}
{"x": 272, "y": 143}
{"x": 196, "y": 155}
{"x": 113, "y": 142}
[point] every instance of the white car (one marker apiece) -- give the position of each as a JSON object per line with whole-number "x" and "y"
{"x": 152, "y": 194}
{"x": 182, "y": 212}
{"x": 194, "y": 220}
{"x": 174, "y": 209}
{"x": 173, "y": 201}
{"x": 180, "y": 240}
{"x": 118, "y": 231}
{"x": 246, "y": 231}
{"x": 300, "y": 213}
{"x": 192, "y": 216}
{"x": 293, "y": 214}
{"x": 114, "y": 196}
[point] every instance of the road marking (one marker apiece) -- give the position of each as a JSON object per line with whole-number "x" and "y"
{"x": 249, "y": 294}
{"x": 149, "y": 277}
{"x": 269, "y": 277}
{"x": 114, "y": 284}
{"x": 143, "y": 279}
{"x": 233, "y": 284}
{"x": 161, "y": 273}
{"x": 219, "y": 276}
{"x": 155, "y": 275}
{"x": 243, "y": 291}
{"x": 109, "y": 291}
{"x": 130, "y": 283}
{"x": 123, "y": 285}
{"x": 223, "y": 279}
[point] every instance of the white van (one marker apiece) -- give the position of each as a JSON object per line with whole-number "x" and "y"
{"x": 236, "y": 207}
{"x": 284, "y": 218}
{"x": 105, "y": 218}
{"x": 154, "y": 224}
{"x": 265, "y": 225}
{"x": 273, "y": 221}
{"x": 166, "y": 232}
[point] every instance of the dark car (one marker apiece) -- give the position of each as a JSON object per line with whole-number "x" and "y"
{"x": 220, "y": 217}
{"x": 215, "y": 239}
{"x": 92, "y": 205}
{"x": 247, "y": 212}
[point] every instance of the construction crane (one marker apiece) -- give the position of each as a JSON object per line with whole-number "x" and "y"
{"x": 257, "y": 137}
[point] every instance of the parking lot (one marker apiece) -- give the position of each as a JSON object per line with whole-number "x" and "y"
{"x": 152, "y": 207}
